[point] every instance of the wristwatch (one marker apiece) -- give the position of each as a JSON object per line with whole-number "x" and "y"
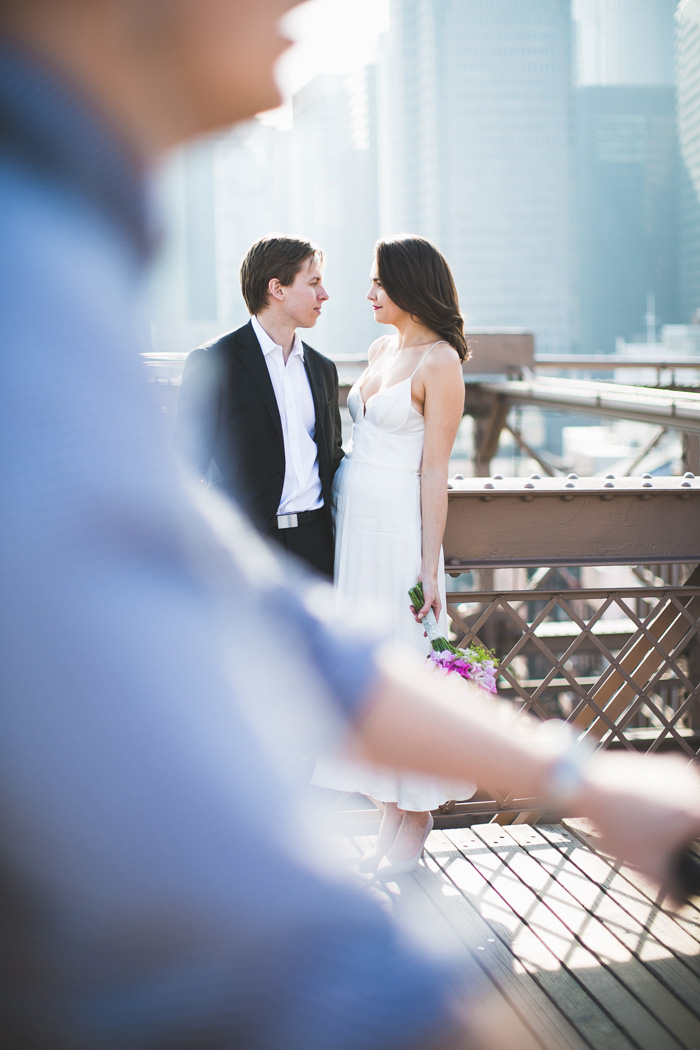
{"x": 571, "y": 754}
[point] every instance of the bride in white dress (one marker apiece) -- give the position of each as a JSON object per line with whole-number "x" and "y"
{"x": 390, "y": 500}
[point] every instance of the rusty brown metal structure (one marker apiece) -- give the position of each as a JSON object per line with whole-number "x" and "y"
{"x": 587, "y": 588}
{"x": 571, "y": 521}
{"x": 489, "y": 402}
{"x": 620, "y": 660}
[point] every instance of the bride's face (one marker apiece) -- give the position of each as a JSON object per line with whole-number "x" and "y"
{"x": 385, "y": 311}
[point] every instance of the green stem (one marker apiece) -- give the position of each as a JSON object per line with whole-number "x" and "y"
{"x": 440, "y": 645}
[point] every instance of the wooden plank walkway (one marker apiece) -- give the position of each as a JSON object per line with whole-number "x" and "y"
{"x": 576, "y": 947}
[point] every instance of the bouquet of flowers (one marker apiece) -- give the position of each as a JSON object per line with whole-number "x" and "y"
{"x": 476, "y": 663}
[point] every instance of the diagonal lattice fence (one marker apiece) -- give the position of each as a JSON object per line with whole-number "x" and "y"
{"x": 623, "y": 665}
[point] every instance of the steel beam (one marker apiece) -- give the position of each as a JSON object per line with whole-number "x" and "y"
{"x": 613, "y": 400}
{"x": 584, "y": 362}
{"x": 571, "y": 521}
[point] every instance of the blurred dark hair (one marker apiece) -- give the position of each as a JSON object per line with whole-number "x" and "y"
{"x": 280, "y": 257}
{"x": 417, "y": 278}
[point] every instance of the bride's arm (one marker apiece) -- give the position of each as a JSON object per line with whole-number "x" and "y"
{"x": 443, "y": 406}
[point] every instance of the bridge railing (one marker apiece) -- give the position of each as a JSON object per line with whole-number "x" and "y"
{"x": 588, "y": 590}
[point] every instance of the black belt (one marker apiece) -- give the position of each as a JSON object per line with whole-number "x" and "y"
{"x": 292, "y": 521}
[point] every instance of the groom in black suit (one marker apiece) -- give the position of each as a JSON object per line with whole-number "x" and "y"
{"x": 258, "y": 409}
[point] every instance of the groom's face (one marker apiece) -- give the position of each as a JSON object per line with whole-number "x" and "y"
{"x": 305, "y": 296}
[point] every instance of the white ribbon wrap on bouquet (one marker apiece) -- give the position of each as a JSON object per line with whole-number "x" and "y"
{"x": 431, "y": 626}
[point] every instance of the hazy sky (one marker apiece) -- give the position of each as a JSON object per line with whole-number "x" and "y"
{"x": 334, "y": 36}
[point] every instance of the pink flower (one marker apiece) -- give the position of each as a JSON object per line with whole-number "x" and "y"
{"x": 468, "y": 664}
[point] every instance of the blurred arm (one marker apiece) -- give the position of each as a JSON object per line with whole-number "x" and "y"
{"x": 646, "y": 807}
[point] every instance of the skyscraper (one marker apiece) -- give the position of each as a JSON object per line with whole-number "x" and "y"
{"x": 688, "y": 36}
{"x": 628, "y": 225}
{"x": 332, "y": 190}
{"x": 625, "y": 42}
{"x": 474, "y": 142}
{"x": 185, "y": 303}
{"x": 221, "y": 194}
{"x": 627, "y": 171}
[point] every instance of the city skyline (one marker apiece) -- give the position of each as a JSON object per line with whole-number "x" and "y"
{"x": 331, "y": 36}
{"x": 467, "y": 130}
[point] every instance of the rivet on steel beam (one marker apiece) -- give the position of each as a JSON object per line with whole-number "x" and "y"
{"x": 489, "y": 485}
{"x": 646, "y": 475}
{"x": 688, "y": 474}
{"x": 569, "y": 484}
{"x": 527, "y": 496}
{"x": 459, "y": 477}
{"x": 606, "y": 495}
{"x": 498, "y": 477}
{"x": 528, "y": 485}
{"x": 486, "y": 499}
{"x": 609, "y": 484}
{"x": 572, "y": 477}
{"x": 646, "y": 484}
{"x": 567, "y": 496}
{"x": 686, "y": 484}
{"x": 536, "y": 477}
{"x": 610, "y": 477}
{"x": 450, "y": 485}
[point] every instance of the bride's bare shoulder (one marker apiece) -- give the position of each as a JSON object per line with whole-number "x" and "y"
{"x": 443, "y": 356}
{"x": 442, "y": 374}
{"x": 377, "y": 347}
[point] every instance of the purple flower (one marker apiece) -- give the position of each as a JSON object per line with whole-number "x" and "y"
{"x": 468, "y": 664}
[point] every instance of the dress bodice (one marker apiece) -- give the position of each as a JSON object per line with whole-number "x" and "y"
{"x": 388, "y": 430}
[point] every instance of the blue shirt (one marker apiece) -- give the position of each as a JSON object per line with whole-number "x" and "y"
{"x": 157, "y": 670}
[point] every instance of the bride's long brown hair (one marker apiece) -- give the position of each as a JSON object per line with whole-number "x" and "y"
{"x": 417, "y": 277}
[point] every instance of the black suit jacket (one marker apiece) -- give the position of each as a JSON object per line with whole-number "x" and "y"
{"x": 228, "y": 423}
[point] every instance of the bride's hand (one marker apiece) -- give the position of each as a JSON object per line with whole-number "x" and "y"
{"x": 431, "y": 594}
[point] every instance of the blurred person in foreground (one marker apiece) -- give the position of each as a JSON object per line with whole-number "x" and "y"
{"x": 258, "y": 412}
{"x": 144, "y": 902}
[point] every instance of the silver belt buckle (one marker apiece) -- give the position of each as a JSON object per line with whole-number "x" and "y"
{"x": 287, "y": 521}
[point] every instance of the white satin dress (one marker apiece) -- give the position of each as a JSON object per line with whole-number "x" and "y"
{"x": 377, "y": 513}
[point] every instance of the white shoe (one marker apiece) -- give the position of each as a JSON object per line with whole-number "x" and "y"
{"x": 402, "y": 867}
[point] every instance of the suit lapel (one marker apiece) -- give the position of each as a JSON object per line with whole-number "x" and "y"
{"x": 317, "y": 388}
{"x": 253, "y": 360}
{"x": 313, "y": 371}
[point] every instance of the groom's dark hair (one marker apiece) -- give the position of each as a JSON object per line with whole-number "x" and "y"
{"x": 273, "y": 256}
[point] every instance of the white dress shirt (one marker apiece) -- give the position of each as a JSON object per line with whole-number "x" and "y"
{"x": 302, "y": 484}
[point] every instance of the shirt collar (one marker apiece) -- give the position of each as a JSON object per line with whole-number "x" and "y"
{"x": 47, "y": 124}
{"x": 267, "y": 343}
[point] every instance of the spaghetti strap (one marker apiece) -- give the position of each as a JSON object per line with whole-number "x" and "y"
{"x": 359, "y": 382}
{"x": 424, "y": 357}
